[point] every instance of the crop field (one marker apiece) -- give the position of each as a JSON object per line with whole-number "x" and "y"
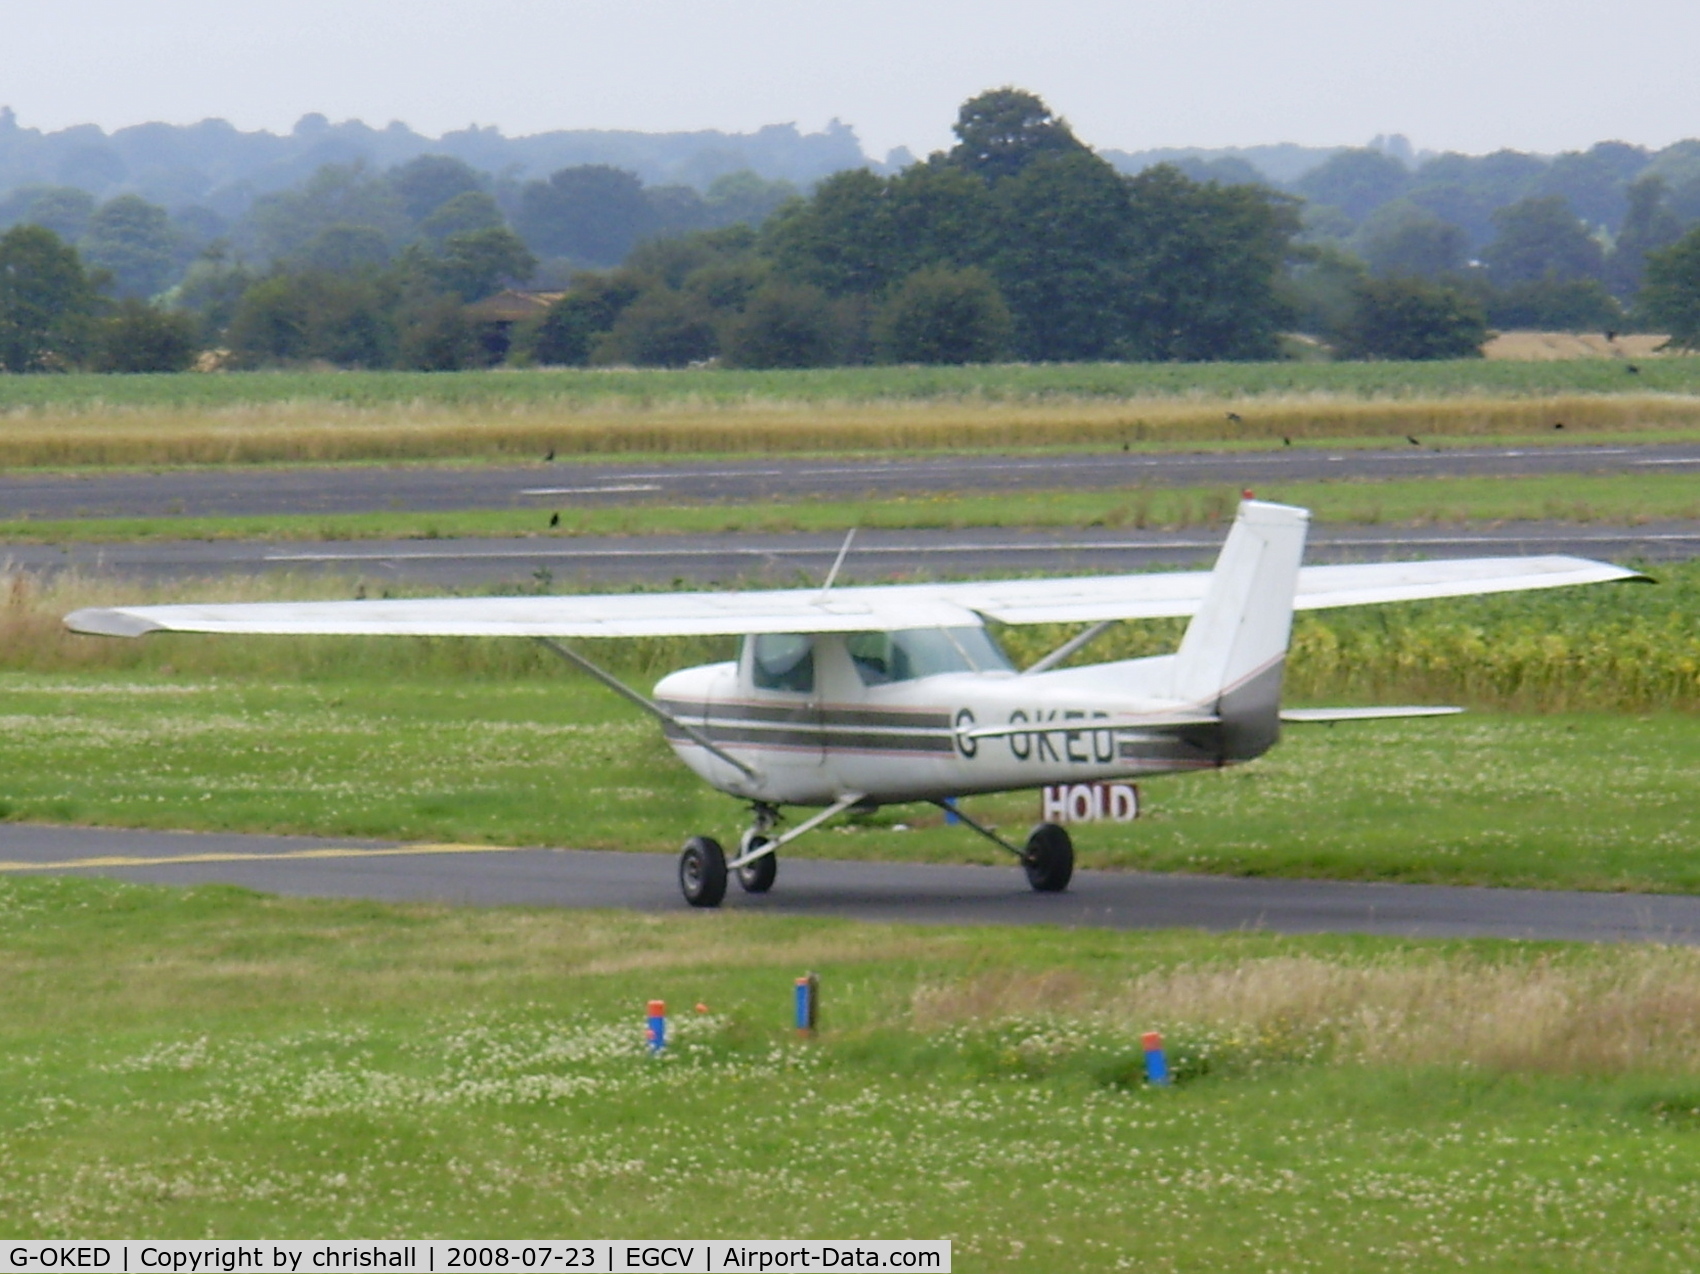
{"x": 208, "y": 1062}
{"x": 255, "y": 418}
{"x": 1673, "y": 374}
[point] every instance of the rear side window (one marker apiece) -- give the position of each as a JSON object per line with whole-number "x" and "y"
{"x": 881, "y": 658}
{"x": 783, "y": 661}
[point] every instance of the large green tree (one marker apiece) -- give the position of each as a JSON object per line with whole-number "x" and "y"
{"x": 1357, "y": 182}
{"x": 592, "y": 214}
{"x": 1401, "y": 238}
{"x": 939, "y": 315}
{"x": 782, "y": 325}
{"x": 1206, "y": 268}
{"x": 138, "y": 337}
{"x": 48, "y": 304}
{"x": 661, "y": 328}
{"x": 1670, "y": 297}
{"x": 345, "y": 319}
{"x": 1002, "y": 131}
{"x": 839, "y": 240}
{"x": 1412, "y": 319}
{"x": 1649, "y": 225}
{"x": 132, "y": 240}
{"x": 1539, "y": 237}
{"x": 1065, "y": 234}
{"x": 280, "y": 225}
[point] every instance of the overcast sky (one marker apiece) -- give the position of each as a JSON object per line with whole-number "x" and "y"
{"x": 1471, "y": 75}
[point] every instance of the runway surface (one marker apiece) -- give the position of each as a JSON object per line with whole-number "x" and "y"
{"x": 567, "y": 562}
{"x": 562, "y": 485}
{"x": 908, "y": 893}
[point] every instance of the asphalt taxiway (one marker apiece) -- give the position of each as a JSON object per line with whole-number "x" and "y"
{"x": 255, "y": 492}
{"x": 896, "y": 892}
{"x": 561, "y": 563}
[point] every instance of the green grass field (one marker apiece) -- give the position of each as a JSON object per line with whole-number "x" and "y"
{"x": 1013, "y": 382}
{"x": 1630, "y": 498}
{"x": 207, "y": 1062}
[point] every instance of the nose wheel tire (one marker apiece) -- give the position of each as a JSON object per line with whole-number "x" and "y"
{"x": 1048, "y": 859}
{"x": 702, "y": 872}
{"x": 757, "y": 877}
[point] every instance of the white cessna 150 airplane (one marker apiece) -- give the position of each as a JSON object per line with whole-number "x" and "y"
{"x": 879, "y": 695}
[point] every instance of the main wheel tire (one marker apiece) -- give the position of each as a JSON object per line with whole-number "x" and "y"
{"x": 702, "y": 872}
{"x": 1049, "y": 859}
{"x": 757, "y": 877}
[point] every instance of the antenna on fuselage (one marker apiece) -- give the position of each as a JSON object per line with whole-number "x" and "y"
{"x": 843, "y": 551}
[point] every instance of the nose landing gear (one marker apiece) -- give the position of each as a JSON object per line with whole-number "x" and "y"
{"x": 703, "y": 868}
{"x": 756, "y": 875}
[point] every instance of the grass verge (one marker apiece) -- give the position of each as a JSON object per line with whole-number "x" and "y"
{"x": 1622, "y": 498}
{"x": 208, "y": 1062}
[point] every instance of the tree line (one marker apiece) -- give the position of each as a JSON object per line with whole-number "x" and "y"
{"x": 1018, "y": 242}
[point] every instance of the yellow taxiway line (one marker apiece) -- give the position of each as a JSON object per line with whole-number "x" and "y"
{"x": 330, "y": 851}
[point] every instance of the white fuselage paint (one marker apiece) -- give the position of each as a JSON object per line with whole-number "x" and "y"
{"x": 912, "y": 740}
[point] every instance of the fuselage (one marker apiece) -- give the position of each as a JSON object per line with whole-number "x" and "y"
{"x": 849, "y": 714}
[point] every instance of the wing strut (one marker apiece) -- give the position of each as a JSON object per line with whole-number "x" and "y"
{"x": 837, "y": 562}
{"x": 1073, "y": 644}
{"x": 647, "y": 704}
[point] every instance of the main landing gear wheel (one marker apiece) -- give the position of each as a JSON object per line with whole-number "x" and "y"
{"x": 757, "y": 877}
{"x": 1048, "y": 859}
{"x": 702, "y": 872}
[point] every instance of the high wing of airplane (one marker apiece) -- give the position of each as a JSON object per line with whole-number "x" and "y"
{"x": 857, "y": 697}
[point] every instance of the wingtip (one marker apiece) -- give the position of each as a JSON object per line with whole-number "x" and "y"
{"x": 99, "y": 621}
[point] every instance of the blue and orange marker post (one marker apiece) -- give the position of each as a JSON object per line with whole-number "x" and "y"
{"x": 1156, "y": 1064}
{"x": 656, "y": 1033}
{"x": 808, "y": 1005}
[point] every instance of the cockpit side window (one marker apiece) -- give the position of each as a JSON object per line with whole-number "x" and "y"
{"x": 783, "y": 661}
{"x": 881, "y": 658}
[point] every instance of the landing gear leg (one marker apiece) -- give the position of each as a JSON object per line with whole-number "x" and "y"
{"x": 1048, "y": 858}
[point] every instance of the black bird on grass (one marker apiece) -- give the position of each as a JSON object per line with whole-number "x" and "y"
{"x": 1286, "y": 441}
{"x": 1632, "y": 369}
{"x": 1558, "y": 424}
{"x": 551, "y": 454}
{"x": 1412, "y": 441}
{"x": 554, "y": 519}
{"x": 1235, "y": 417}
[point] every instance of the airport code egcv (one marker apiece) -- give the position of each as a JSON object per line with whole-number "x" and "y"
{"x": 409, "y": 1256}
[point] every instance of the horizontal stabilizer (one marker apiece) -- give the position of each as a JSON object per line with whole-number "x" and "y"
{"x": 1308, "y": 716}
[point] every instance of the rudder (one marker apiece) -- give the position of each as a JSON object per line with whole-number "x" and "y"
{"x": 1235, "y": 648}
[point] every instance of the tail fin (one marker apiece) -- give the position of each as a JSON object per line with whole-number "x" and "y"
{"x": 1232, "y": 655}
